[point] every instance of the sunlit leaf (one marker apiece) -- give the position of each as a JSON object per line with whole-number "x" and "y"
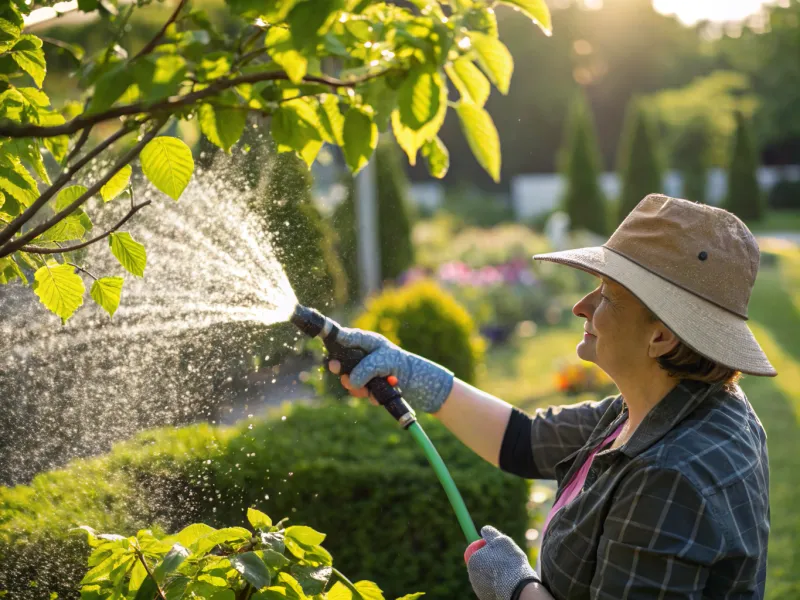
{"x": 369, "y": 590}
{"x": 159, "y": 77}
{"x": 339, "y": 592}
{"x": 28, "y": 54}
{"x": 279, "y": 45}
{"x": 15, "y": 181}
{"x": 309, "y": 20}
{"x": 58, "y": 146}
{"x": 9, "y": 34}
{"x": 130, "y": 253}
{"x": 331, "y": 119}
{"x": 536, "y": 10}
{"x": 494, "y": 58}
{"x": 107, "y": 291}
{"x": 437, "y": 157}
{"x": 292, "y": 584}
{"x": 220, "y": 536}
{"x": 68, "y": 195}
{"x": 252, "y": 568}
{"x": 481, "y": 135}
{"x": 28, "y": 151}
{"x": 360, "y": 136}
{"x": 109, "y": 87}
{"x": 222, "y": 125}
{"x": 312, "y": 579}
{"x": 188, "y": 535}
{"x": 173, "y": 559}
{"x": 167, "y": 162}
{"x": 9, "y": 270}
{"x": 469, "y": 81}
{"x": 412, "y": 596}
{"x": 296, "y": 126}
{"x": 60, "y": 289}
{"x": 115, "y": 186}
{"x": 258, "y": 519}
{"x": 68, "y": 228}
{"x": 419, "y": 98}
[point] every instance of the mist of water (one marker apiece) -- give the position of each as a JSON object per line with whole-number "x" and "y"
{"x": 212, "y": 288}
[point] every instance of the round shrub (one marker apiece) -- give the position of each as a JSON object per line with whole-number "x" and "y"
{"x": 424, "y": 319}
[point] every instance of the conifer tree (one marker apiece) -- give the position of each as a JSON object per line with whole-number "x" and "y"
{"x": 691, "y": 156}
{"x": 744, "y": 194}
{"x": 639, "y": 167}
{"x": 394, "y": 220}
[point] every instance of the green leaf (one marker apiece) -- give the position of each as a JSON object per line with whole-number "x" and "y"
{"x": 408, "y": 135}
{"x": 15, "y": 181}
{"x": 292, "y": 585}
{"x": 494, "y": 58}
{"x": 419, "y": 98}
{"x": 172, "y": 561}
{"x": 360, "y": 136}
{"x": 159, "y": 77}
{"x": 9, "y": 34}
{"x": 188, "y": 535}
{"x": 175, "y": 588}
{"x": 273, "y": 559}
{"x": 60, "y": 289}
{"x": 107, "y": 291}
{"x": 109, "y": 87}
{"x": 469, "y": 81}
{"x": 252, "y": 568}
{"x": 536, "y": 10}
{"x": 279, "y": 45}
{"x": 58, "y": 146}
{"x": 437, "y": 157}
{"x": 138, "y": 573}
{"x": 213, "y": 580}
{"x": 481, "y": 136}
{"x": 382, "y": 98}
{"x": 130, "y": 253}
{"x": 318, "y": 556}
{"x": 223, "y": 126}
{"x": 28, "y": 150}
{"x": 224, "y": 595}
{"x": 296, "y": 126}
{"x": 9, "y": 270}
{"x": 68, "y": 195}
{"x": 369, "y": 590}
{"x": 87, "y": 5}
{"x": 28, "y": 54}
{"x": 331, "y": 119}
{"x": 68, "y": 228}
{"x": 309, "y": 20}
{"x": 115, "y": 186}
{"x": 220, "y": 536}
{"x": 313, "y": 580}
{"x": 167, "y": 162}
{"x": 339, "y": 591}
{"x": 412, "y": 596}
{"x": 258, "y": 519}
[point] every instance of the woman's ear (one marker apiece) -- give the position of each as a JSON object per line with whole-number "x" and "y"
{"x": 662, "y": 341}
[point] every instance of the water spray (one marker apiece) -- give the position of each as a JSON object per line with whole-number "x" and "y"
{"x": 315, "y": 324}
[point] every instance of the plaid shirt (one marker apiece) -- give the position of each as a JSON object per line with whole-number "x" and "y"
{"x": 679, "y": 511}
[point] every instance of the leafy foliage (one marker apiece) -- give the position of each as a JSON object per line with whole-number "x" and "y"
{"x": 354, "y": 475}
{"x": 424, "y": 319}
{"x": 324, "y": 72}
{"x": 232, "y": 563}
{"x": 581, "y": 163}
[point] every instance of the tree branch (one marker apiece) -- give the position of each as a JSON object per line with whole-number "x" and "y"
{"x": 17, "y": 243}
{"x": 219, "y": 85}
{"x": 89, "y": 273}
{"x": 122, "y": 221}
{"x": 152, "y": 43}
{"x": 14, "y": 226}
{"x": 79, "y": 144}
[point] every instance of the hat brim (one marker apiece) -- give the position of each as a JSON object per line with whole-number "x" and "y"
{"x": 708, "y": 329}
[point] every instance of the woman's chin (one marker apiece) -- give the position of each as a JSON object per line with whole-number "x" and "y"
{"x": 585, "y": 351}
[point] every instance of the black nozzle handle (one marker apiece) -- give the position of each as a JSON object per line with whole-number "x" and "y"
{"x": 392, "y": 400}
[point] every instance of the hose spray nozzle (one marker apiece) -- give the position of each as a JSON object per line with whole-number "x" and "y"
{"x": 314, "y": 324}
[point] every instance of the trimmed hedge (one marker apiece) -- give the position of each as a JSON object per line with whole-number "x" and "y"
{"x": 347, "y": 470}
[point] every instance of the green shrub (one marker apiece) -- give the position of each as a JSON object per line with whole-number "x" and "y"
{"x": 744, "y": 194}
{"x": 426, "y": 320}
{"x": 692, "y": 156}
{"x": 347, "y": 470}
{"x": 638, "y": 161}
{"x": 581, "y": 164}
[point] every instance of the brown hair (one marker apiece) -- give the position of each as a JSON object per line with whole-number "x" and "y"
{"x": 685, "y": 363}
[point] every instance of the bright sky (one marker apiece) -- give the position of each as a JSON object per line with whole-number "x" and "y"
{"x": 691, "y": 11}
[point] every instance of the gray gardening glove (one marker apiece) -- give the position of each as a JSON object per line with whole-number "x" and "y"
{"x": 499, "y": 567}
{"x": 425, "y": 384}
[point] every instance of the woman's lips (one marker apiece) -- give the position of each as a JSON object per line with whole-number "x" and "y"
{"x": 587, "y": 336}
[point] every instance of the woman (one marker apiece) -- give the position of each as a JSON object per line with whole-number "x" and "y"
{"x": 663, "y": 489}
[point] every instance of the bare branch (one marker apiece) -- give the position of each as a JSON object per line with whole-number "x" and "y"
{"x": 14, "y": 226}
{"x": 79, "y": 144}
{"x": 150, "y": 574}
{"x": 219, "y": 85}
{"x": 152, "y": 43}
{"x": 120, "y": 223}
{"x": 17, "y": 243}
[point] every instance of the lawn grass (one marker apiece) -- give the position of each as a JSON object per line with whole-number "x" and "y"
{"x": 523, "y": 374}
{"x": 784, "y": 220}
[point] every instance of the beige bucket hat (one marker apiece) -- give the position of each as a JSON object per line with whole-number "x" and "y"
{"x": 693, "y": 266}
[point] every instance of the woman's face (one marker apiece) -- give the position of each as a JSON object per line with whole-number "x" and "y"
{"x": 619, "y": 330}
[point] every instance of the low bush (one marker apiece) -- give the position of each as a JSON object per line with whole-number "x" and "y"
{"x": 426, "y": 320}
{"x": 345, "y": 469}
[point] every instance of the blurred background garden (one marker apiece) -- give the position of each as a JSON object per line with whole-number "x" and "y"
{"x": 694, "y": 99}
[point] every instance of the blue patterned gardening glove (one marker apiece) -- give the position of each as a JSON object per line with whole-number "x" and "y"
{"x": 497, "y": 569}
{"x": 425, "y": 385}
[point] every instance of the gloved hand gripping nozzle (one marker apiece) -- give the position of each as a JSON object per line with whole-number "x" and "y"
{"x": 315, "y": 324}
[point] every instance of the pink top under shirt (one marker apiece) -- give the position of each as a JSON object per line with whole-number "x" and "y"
{"x": 576, "y": 484}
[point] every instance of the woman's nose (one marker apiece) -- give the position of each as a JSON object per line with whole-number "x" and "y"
{"x": 584, "y": 307}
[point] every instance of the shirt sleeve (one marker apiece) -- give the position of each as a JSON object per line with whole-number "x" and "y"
{"x": 659, "y": 539}
{"x": 534, "y": 444}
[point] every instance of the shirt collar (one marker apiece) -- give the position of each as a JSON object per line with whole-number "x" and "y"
{"x": 671, "y": 410}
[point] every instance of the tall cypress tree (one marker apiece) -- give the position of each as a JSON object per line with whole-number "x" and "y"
{"x": 394, "y": 221}
{"x": 638, "y": 160}
{"x": 691, "y": 155}
{"x": 744, "y": 195}
{"x": 581, "y": 165}
{"x": 345, "y": 226}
